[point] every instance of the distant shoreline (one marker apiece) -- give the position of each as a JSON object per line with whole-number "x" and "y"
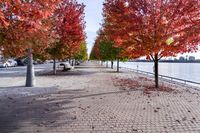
{"x": 168, "y": 61}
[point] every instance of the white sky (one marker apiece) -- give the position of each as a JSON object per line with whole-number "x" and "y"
{"x": 93, "y": 17}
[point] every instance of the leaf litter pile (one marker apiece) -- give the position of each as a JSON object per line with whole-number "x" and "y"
{"x": 143, "y": 83}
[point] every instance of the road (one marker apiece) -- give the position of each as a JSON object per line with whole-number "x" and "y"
{"x": 21, "y": 70}
{"x": 9, "y": 75}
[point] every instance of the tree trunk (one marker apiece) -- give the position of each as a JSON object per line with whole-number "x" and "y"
{"x": 107, "y": 64}
{"x": 112, "y": 64}
{"x": 101, "y": 63}
{"x": 156, "y": 70}
{"x": 54, "y": 66}
{"x": 30, "y": 74}
{"x": 117, "y": 65}
{"x": 72, "y": 62}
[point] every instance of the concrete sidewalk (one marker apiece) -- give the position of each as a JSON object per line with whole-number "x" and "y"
{"x": 86, "y": 100}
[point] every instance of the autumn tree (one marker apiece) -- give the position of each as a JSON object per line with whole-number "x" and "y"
{"x": 70, "y": 26}
{"x": 108, "y": 52}
{"x": 4, "y": 22}
{"x": 68, "y": 30}
{"x": 82, "y": 52}
{"x": 105, "y": 49}
{"x": 54, "y": 52}
{"x": 154, "y": 29}
{"x": 95, "y": 53}
{"x": 27, "y": 29}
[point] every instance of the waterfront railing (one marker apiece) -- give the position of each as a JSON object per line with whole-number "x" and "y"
{"x": 168, "y": 78}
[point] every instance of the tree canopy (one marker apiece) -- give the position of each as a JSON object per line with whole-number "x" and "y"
{"x": 104, "y": 48}
{"x": 147, "y": 28}
{"x": 27, "y": 25}
{"x": 82, "y": 53}
{"x": 40, "y": 24}
{"x": 69, "y": 27}
{"x": 154, "y": 29}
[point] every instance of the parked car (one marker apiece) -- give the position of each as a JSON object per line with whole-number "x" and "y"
{"x": 21, "y": 61}
{"x": 51, "y": 61}
{"x": 37, "y": 61}
{"x": 8, "y": 63}
{"x": 12, "y": 62}
{"x": 66, "y": 66}
{"x": 4, "y": 63}
{"x": 47, "y": 61}
{"x": 77, "y": 62}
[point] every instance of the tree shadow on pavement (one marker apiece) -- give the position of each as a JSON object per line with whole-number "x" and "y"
{"x": 105, "y": 93}
{"x": 112, "y": 71}
{"x": 19, "y": 72}
{"x": 37, "y": 111}
{"x": 67, "y": 73}
{"x": 89, "y": 67}
{"x": 21, "y": 91}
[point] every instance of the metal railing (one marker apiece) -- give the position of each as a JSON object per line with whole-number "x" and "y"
{"x": 164, "y": 77}
{"x": 168, "y": 78}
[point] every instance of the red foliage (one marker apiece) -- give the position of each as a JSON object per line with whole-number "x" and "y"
{"x": 3, "y": 22}
{"x": 142, "y": 83}
{"x": 153, "y": 28}
{"x": 147, "y": 28}
{"x": 70, "y": 26}
{"x": 27, "y": 25}
{"x": 95, "y": 53}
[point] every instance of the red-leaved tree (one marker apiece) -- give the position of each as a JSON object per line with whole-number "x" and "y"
{"x": 27, "y": 28}
{"x": 68, "y": 28}
{"x": 155, "y": 29}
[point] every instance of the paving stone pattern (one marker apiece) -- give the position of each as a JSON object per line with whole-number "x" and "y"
{"x": 99, "y": 106}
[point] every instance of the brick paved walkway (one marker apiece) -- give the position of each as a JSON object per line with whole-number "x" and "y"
{"x": 94, "y": 104}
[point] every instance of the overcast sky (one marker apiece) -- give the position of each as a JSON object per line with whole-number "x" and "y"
{"x": 93, "y": 18}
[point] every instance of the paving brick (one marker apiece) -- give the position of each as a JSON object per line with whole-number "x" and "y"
{"x": 99, "y": 106}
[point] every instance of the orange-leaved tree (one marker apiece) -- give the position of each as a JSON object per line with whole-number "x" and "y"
{"x": 3, "y": 21}
{"x": 28, "y": 29}
{"x": 105, "y": 49}
{"x": 68, "y": 28}
{"x": 154, "y": 29}
{"x": 95, "y": 53}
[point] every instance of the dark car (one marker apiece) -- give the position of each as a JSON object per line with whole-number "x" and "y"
{"x": 77, "y": 62}
{"x": 22, "y": 61}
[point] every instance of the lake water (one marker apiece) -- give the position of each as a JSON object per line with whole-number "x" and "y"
{"x": 188, "y": 71}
